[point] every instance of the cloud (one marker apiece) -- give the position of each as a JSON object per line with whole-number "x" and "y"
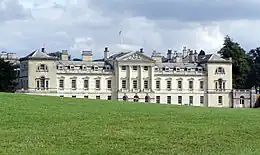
{"x": 158, "y": 25}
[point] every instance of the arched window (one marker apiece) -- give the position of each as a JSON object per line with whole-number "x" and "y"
{"x": 147, "y": 98}
{"x": 242, "y": 100}
{"x": 42, "y": 68}
{"x": 220, "y": 70}
{"x": 125, "y": 98}
{"x": 136, "y": 98}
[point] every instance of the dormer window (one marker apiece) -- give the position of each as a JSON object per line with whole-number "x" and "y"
{"x": 166, "y": 68}
{"x": 177, "y": 69}
{"x": 42, "y": 68}
{"x": 60, "y": 67}
{"x": 95, "y": 68}
{"x": 72, "y": 67}
{"x": 156, "y": 68}
{"x": 220, "y": 70}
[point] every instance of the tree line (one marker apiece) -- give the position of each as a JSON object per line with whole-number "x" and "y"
{"x": 245, "y": 66}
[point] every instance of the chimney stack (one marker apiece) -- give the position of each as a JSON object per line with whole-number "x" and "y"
{"x": 169, "y": 55}
{"x": 87, "y": 55}
{"x": 106, "y": 53}
{"x": 141, "y": 50}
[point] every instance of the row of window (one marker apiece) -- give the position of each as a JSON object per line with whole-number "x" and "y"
{"x": 158, "y": 84}
{"x": 146, "y": 68}
{"x": 83, "y": 67}
{"x": 85, "y": 84}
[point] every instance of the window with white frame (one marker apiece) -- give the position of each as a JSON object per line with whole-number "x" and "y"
{"x": 146, "y": 84}
{"x": 97, "y": 83}
{"x": 220, "y": 70}
{"x": 123, "y": 68}
{"x": 73, "y": 84}
{"x": 135, "y": 84}
{"x": 146, "y": 68}
{"x": 190, "y": 100}
{"x": 190, "y": 85}
{"x": 158, "y": 84}
{"x": 135, "y": 68}
{"x": 169, "y": 84}
{"x": 158, "y": 98}
{"x": 169, "y": 100}
{"x": 179, "y": 84}
{"x": 220, "y": 100}
{"x": 201, "y": 99}
{"x": 123, "y": 84}
{"x": 86, "y": 83}
{"x": 201, "y": 85}
{"x": 179, "y": 99}
{"x": 109, "y": 84}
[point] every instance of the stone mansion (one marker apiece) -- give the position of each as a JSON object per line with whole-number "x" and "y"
{"x": 183, "y": 78}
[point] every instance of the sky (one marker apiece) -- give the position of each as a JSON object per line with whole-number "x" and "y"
{"x": 77, "y": 25}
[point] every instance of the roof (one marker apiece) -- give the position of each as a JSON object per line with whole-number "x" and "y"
{"x": 118, "y": 55}
{"x": 213, "y": 58}
{"x": 38, "y": 55}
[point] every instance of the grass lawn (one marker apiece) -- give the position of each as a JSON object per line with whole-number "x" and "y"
{"x": 70, "y": 126}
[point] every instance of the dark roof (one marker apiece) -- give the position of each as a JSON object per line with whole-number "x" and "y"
{"x": 38, "y": 55}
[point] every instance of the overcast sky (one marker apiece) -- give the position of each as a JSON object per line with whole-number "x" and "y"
{"x": 158, "y": 25}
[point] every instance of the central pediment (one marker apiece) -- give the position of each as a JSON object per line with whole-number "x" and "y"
{"x": 136, "y": 56}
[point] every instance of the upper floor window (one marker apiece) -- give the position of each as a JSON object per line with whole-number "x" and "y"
{"x": 146, "y": 68}
{"x": 42, "y": 68}
{"x": 220, "y": 70}
{"x": 135, "y": 68}
{"x": 123, "y": 68}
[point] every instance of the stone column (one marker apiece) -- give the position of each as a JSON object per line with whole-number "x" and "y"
{"x": 141, "y": 84}
{"x": 129, "y": 81}
{"x": 152, "y": 82}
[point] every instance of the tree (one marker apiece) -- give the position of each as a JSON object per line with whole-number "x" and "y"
{"x": 254, "y": 75}
{"x": 240, "y": 64}
{"x": 8, "y": 75}
{"x": 202, "y": 52}
{"x": 56, "y": 54}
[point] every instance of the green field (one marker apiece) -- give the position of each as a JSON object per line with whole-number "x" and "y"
{"x": 70, "y": 126}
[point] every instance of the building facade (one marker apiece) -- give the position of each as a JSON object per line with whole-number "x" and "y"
{"x": 183, "y": 78}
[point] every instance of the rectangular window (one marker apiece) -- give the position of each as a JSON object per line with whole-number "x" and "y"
{"x": 191, "y": 85}
{"x": 74, "y": 96}
{"x": 201, "y": 84}
{"x": 179, "y": 99}
{"x": 224, "y": 85}
{"x": 135, "y": 68}
{"x": 47, "y": 84}
{"x": 169, "y": 84}
{"x": 85, "y": 96}
{"x": 158, "y": 83}
{"x": 123, "y": 68}
{"x": 190, "y": 100}
{"x": 158, "y": 99}
{"x": 109, "y": 97}
{"x": 97, "y": 97}
{"x": 179, "y": 84}
{"x": 97, "y": 84}
{"x": 216, "y": 85}
{"x": 85, "y": 84}
{"x": 109, "y": 83}
{"x": 146, "y": 84}
{"x": 146, "y": 68}
{"x": 61, "y": 84}
{"x": 38, "y": 84}
{"x": 124, "y": 84}
{"x": 73, "y": 84}
{"x": 135, "y": 84}
{"x": 201, "y": 99}
{"x": 220, "y": 100}
{"x": 169, "y": 100}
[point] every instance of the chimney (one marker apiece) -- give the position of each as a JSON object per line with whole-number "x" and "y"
{"x": 87, "y": 55}
{"x": 157, "y": 57}
{"x": 169, "y": 55}
{"x": 141, "y": 50}
{"x": 106, "y": 53}
{"x": 64, "y": 55}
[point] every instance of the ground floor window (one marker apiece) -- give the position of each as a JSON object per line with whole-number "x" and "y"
{"x": 169, "y": 99}
{"x": 125, "y": 98}
{"x": 109, "y": 97}
{"x": 158, "y": 99}
{"x": 85, "y": 96}
{"x": 179, "y": 99}
{"x": 147, "y": 99}
{"x": 98, "y": 97}
{"x": 220, "y": 100}
{"x": 136, "y": 98}
{"x": 201, "y": 99}
{"x": 190, "y": 100}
